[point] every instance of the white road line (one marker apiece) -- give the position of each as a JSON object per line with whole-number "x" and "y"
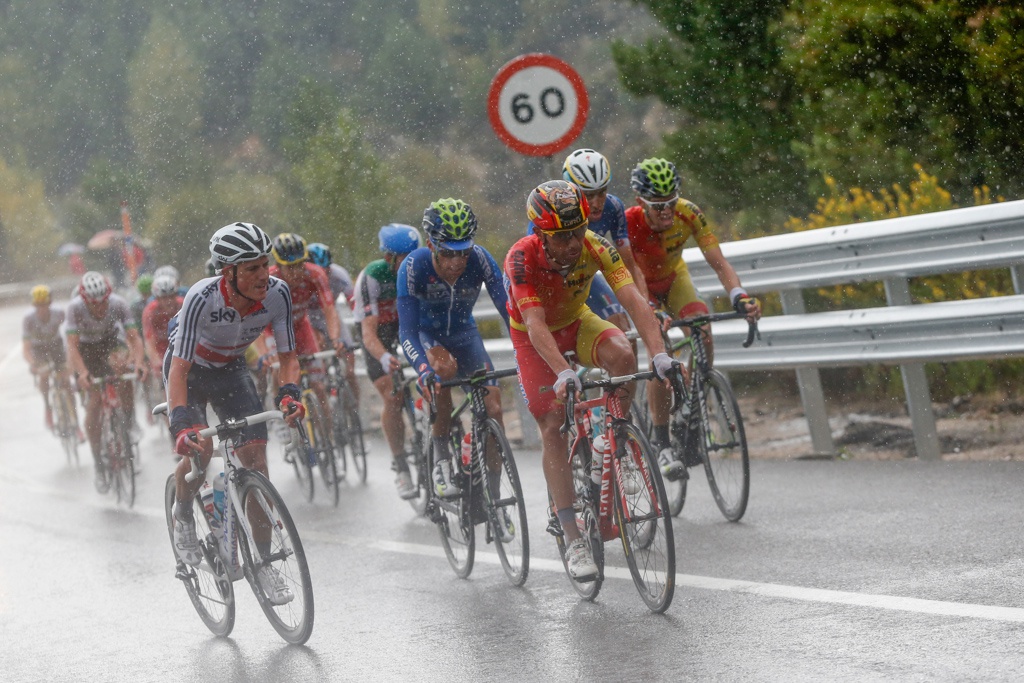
{"x": 767, "y": 590}
{"x": 11, "y": 355}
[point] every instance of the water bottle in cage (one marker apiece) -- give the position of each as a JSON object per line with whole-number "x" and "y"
{"x": 600, "y": 448}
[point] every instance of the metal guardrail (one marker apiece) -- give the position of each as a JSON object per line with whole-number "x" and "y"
{"x": 982, "y": 237}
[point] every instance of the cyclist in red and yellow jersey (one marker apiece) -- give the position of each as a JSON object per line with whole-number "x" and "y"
{"x": 548, "y": 275}
{"x": 659, "y": 226}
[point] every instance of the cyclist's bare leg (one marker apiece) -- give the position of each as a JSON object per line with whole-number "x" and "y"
{"x": 93, "y": 416}
{"x": 119, "y": 365}
{"x": 254, "y": 457}
{"x": 44, "y": 388}
{"x": 446, "y": 368}
{"x": 620, "y": 320}
{"x": 555, "y": 460}
{"x": 187, "y": 490}
{"x": 615, "y": 356}
{"x": 391, "y": 416}
{"x": 321, "y": 393}
{"x": 350, "y": 375}
{"x": 493, "y": 404}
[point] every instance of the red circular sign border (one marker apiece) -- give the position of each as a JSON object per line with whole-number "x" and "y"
{"x": 515, "y": 66}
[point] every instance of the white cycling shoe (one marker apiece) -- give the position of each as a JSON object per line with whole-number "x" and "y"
{"x": 273, "y": 586}
{"x": 579, "y": 562}
{"x": 186, "y": 545}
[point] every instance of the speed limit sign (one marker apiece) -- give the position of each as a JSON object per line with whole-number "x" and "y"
{"x": 537, "y": 104}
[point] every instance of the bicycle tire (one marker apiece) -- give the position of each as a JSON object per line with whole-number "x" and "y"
{"x": 416, "y": 454}
{"x": 118, "y": 456}
{"x": 506, "y": 512}
{"x": 67, "y": 425}
{"x": 724, "y": 450}
{"x": 587, "y": 516}
{"x": 304, "y": 456}
{"x": 354, "y": 444}
{"x": 645, "y": 525}
{"x": 457, "y": 531}
{"x": 675, "y": 491}
{"x": 293, "y": 620}
{"x": 326, "y": 454}
{"x": 208, "y": 586}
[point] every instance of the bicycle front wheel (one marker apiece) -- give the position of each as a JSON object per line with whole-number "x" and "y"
{"x": 207, "y": 585}
{"x": 645, "y": 525}
{"x": 726, "y": 458}
{"x": 303, "y": 456}
{"x": 506, "y": 510}
{"x": 273, "y": 555}
{"x": 355, "y": 449}
{"x": 416, "y": 454}
{"x": 66, "y": 424}
{"x": 589, "y": 529}
{"x": 675, "y": 491}
{"x": 122, "y": 459}
{"x": 458, "y": 534}
{"x": 326, "y": 456}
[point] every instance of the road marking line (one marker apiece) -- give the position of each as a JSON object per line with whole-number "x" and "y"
{"x": 768, "y": 590}
{"x": 11, "y": 355}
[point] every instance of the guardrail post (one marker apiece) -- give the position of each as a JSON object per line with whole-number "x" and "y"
{"x": 1017, "y": 273}
{"x": 915, "y": 384}
{"x": 809, "y": 380}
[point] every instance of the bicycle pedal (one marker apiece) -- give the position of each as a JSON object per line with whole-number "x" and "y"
{"x": 555, "y": 530}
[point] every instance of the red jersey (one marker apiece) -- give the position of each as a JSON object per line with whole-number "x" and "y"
{"x": 154, "y": 323}
{"x": 533, "y": 280}
{"x": 658, "y": 254}
{"x": 312, "y": 289}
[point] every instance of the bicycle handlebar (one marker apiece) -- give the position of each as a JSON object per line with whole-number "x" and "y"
{"x": 702, "y": 320}
{"x": 229, "y": 424}
{"x": 103, "y": 380}
{"x": 478, "y": 377}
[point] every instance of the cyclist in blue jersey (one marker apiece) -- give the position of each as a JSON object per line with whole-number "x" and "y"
{"x": 590, "y": 171}
{"x": 438, "y": 285}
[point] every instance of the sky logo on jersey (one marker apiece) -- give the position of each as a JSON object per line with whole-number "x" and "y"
{"x": 223, "y": 315}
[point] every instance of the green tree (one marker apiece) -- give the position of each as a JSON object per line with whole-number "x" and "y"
{"x": 718, "y": 67}
{"x": 345, "y": 193}
{"x": 886, "y": 84}
{"x": 164, "y": 107}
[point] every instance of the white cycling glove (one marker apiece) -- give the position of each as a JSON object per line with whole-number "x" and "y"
{"x": 662, "y": 364}
{"x": 564, "y": 377}
{"x": 385, "y": 361}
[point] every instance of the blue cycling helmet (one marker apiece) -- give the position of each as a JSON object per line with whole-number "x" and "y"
{"x": 397, "y": 238}
{"x": 320, "y": 254}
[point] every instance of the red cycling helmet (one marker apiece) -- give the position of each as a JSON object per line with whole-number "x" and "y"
{"x": 557, "y": 206}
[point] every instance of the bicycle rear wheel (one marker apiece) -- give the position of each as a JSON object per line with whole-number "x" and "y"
{"x": 326, "y": 454}
{"x": 586, "y": 520}
{"x": 282, "y": 552}
{"x": 207, "y": 585}
{"x": 505, "y": 507}
{"x": 645, "y": 525}
{"x": 351, "y": 430}
{"x": 726, "y": 458}
{"x": 458, "y": 533}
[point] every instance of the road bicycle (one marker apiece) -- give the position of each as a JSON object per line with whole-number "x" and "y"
{"x": 484, "y": 468}
{"x": 118, "y": 452}
{"x": 250, "y": 532}
{"x": 706, "y": 426}
{"x": 620, "y": 494}
{"x": 317, "y": 451}
{"x": 347, "y": 427}
{"x": 62, "y": 403}
{"x": 417, "y": 436}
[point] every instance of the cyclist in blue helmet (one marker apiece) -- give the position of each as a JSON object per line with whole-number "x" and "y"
{"x": 341, "y": 283}
{"x": 375, "y": 310}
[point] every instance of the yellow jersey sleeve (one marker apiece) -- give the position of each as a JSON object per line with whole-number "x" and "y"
{"x": 608, "y": 261}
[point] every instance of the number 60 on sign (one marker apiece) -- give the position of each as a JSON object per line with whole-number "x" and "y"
{"x": 537, "y": 104}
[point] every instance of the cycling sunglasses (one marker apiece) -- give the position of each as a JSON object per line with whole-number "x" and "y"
{"x": 661, "y": 206}
{"x": 452, "y": 253}
{"x": 564, "y": 236}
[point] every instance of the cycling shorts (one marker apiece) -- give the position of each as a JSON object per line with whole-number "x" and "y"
{"x": 536, "y": 378}
{"x": 229, "y": 390}
{"x": 602, "y": 300}
{"x": 467, "y": 348}
{"x": 50, "y": 353}
{"x": 388, "y": 335}
{"x": 96, "y": 355}
{"x": 676, "y": 293}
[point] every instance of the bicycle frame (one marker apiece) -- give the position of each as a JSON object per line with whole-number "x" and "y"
{"x": 613, "y": 420}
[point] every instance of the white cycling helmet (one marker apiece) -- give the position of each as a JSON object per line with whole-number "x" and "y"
{"x": 238, "y": 243}
{"x": 94, "y": 287}
{"x": 587, "y": 169}
{"x": 169, "y": 271}
{"x": 164, "y": 285}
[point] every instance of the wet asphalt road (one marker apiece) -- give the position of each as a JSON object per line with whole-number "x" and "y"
{"x": 840, "y": 570}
